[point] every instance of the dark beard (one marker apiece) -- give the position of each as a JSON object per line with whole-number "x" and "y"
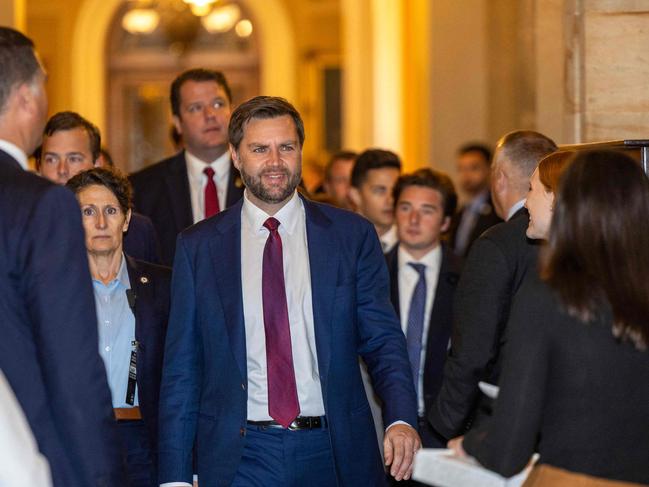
{"x": 255, "y": 186}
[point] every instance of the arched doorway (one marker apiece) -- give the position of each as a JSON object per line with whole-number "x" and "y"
{"x": 90, "y": 96}
{"x": 142, "y": 65}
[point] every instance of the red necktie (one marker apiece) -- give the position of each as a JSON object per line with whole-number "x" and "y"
{"x": 283, "y": 405}
{"x": 211, "y": 197}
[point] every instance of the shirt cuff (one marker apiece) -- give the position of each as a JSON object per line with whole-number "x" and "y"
{"x": 175, "y": 484}
{"x": 386, "y": 430}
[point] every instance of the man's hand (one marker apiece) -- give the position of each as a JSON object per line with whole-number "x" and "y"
{"x": 400, "y": 443}
{"x": 456, "y": 445}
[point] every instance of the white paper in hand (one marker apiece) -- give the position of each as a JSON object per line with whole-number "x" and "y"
{"x": 442, "y": 468}
{"x": 489, "y": 390}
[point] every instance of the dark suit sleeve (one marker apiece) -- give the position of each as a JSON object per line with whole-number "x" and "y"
{"x": 60, "y": 301}
{"x": 507, "y": 440}
{"x": 481, "y": 302}
{"x": 382, "y": 343}
{"x": 181, "y": 376}
{"x": 151, "y": 240}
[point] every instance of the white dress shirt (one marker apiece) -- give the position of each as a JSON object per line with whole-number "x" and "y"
{"x": 515, "y": 207}
{"x": 389, "y": 239}
{"x": 198, "y": 181}
{"x": 408, "y": 279}
{"x": 15, "y": 152}
{"x": 21, "y": 464}
{"x": 297, "y": 278}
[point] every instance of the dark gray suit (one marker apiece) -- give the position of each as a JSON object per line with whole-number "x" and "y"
{"x": 492, "y": 274}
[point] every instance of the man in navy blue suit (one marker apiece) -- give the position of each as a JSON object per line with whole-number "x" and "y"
{"x": 48, "y": 350}
{"x": 273, "y": 300}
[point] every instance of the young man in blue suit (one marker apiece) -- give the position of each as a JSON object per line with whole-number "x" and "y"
{"x": 273, "y": 300}
{"x": 48, "y": 350}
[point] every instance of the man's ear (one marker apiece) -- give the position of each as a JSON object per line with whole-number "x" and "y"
{"x": 499, "y": 180}
{"x": 445, "y": 224}
{"x": 234, "y": 156}
{"x": 176, "y": 121}
{"x": 25, "y": 98}
{"x": 355, "y": 197}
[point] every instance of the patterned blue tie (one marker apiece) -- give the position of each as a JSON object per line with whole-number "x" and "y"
{"x": 415, "y": 330}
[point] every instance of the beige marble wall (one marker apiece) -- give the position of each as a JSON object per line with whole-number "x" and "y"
{"x": 616, "y": 69}
{"x": 602, "y": 91}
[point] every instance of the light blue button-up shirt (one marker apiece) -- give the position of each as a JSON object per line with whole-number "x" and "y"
{"x": 116, "y": 326}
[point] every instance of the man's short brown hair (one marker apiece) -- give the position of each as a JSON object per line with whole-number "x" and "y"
{"x": 262, "y": 107}
{"x": 429, "y": 178}
{"x": 198, "y": 75}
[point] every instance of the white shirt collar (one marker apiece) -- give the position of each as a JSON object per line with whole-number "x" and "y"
{"x": 15, "y": 152}
{"x": 389, "y": 239}
{"x": 288, "y": 216}
{"x": 195, "y": 166}
{"x": 517, "y": 206}
{"x": 430, "y": 260}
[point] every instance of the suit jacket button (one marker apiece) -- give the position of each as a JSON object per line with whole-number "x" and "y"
{"x": 243, "y": 386}
{"x": 242, "y": 432}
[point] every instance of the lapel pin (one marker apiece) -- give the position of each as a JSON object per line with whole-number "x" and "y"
{"x": 238, "y": 183}
{"x": 144, "y": 280}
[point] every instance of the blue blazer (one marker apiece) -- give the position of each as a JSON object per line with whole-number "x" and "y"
{"x": 204, "y": 384}
{"x": 48, "y": 349}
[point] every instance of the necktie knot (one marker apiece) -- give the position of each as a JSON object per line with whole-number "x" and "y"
{"x": 420, "y": 268}
{"x": 209, "y": 172}
{"x": 272, "y": 224}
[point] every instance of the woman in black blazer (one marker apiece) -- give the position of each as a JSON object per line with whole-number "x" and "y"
{"x": 575, "y": 382}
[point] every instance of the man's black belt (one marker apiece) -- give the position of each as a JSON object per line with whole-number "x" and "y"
{"x": 299, "y": 423}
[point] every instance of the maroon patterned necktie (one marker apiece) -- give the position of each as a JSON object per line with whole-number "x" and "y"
{"x": 283, "y": 405}
{"x": 211, "y": 196}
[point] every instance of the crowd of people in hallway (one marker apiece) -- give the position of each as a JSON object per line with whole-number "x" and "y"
{"x": 208, "y": 321}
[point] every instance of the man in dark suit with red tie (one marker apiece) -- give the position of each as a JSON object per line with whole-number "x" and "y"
{"x": 48, "y": 350}
{"x": 200, "y": 180}
{"x": 273, "y": 301}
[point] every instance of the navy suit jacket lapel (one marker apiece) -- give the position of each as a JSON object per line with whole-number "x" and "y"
{"x": 392, "y": 260}
{"x": 225, "y": 250}
{"x": 178, "y": 191}
{"x": 324, "y": 269}
{"x": 142, "y": 287}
